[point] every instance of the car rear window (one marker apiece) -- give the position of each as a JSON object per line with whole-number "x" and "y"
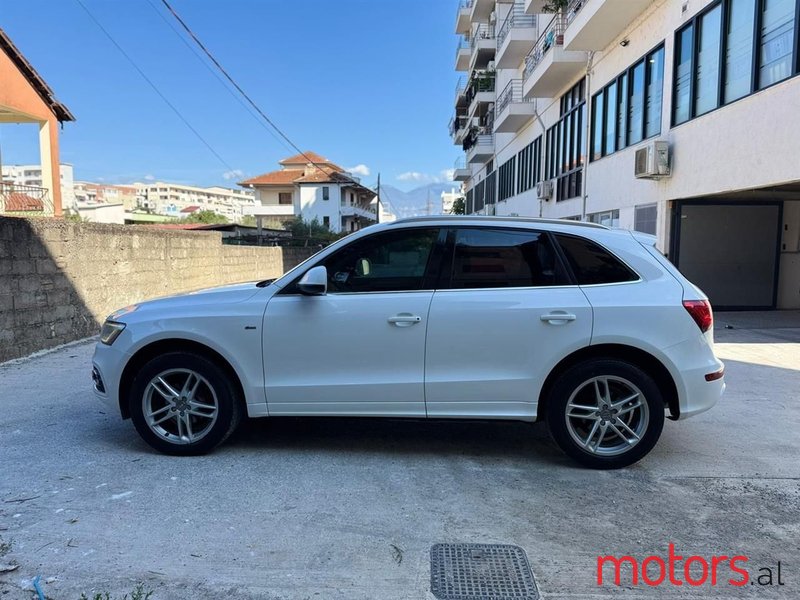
{"x": 592, "y": 264}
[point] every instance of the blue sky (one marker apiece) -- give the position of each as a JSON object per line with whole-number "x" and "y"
{"x": 363, "y": 82}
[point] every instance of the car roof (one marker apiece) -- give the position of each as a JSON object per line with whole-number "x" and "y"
{"x": 451, "y": 220}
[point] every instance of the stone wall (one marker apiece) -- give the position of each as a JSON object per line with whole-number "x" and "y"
{"x": 59, "y": 280}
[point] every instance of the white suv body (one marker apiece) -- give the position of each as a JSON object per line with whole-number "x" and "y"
{"x": 464, "y": 317}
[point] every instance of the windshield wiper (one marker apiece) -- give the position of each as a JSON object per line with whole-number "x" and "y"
{"x": 264, "y": 283}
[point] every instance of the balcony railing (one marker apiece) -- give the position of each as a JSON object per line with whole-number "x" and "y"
{"x": 460, "y": 163}
{"x": 24, "y": 200}
{"x": 573, "y": 8}
{"x": 463, "y": 44}
{"x": 457, "y": 123}
{"x": 512, "y": 93}
{"x": 516, "y": 18}
{"x": 482, "y": 32}
{"x": 553, "y": 36}
{"x": 478, "y": 137}
{"x": 481, "y": 82}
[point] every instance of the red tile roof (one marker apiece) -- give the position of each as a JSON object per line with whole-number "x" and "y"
{"x": 284, "y": 177}
{"x": 190, "y": 209}
{"x": 309, "y": 157}
{"x": 17, "y": 201}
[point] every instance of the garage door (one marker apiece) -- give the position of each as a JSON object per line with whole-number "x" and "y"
{"x": 730, "y": 250}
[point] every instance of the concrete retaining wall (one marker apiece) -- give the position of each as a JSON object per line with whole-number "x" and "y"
{"x": 59, "y": 280}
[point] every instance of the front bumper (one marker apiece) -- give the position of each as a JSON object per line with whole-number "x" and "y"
{"x": 107, "y": 366}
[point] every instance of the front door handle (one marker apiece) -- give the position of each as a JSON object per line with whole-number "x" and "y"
{"x": 404, "y": 320}
{"x": 558, "y": 318}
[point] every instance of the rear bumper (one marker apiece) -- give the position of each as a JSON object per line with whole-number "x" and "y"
{"x": 694, "y": 360}
{"x": 700, "y": 393}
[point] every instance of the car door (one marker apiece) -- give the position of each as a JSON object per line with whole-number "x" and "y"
{"x": 504, "y": 315}
{"x": 359, "y": 349}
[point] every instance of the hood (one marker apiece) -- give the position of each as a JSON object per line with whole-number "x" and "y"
{"x": 226, "y": 294}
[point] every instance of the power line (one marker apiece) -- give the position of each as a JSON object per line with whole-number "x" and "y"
{"x": 216, "y": 75}
{"x": 237, "y": 86}
{"x": 153, "y": 85}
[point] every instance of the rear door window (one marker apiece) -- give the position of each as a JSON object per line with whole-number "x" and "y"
{"x": 592, "y": 264}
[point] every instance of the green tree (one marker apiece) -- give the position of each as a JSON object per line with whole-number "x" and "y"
{"x": 311, "y": 229}
{"x": 554, "y": 6}
{"x": 249, "y": 221}
{"x": 207, "y": 217}
{"x": 459, "y": 207}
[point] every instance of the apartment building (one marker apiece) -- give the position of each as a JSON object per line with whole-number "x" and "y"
{"x": 310, "y": 187}
{"x": 173, "y": 199}
{"x": 31, "y": 176}
{"x": 673, "y": 117}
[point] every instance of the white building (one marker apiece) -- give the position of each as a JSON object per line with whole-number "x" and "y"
{"x": 559, "y": 115}
{"x": 448, "y": 199}
{"x": 310, "y": 187}
{"x": 177, "y": 200}
{"x": 31, "y": 175}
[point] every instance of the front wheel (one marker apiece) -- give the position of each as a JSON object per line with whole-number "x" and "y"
{"x": 184, "y": 404}
{"x": 605, "y": 413}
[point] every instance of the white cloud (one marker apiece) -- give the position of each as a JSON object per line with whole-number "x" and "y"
{"x": 447, "y": 175}
{"x": 413, "y": 176}
{"x": 149, "y": 177}
{"x": 362, "y": 170}
{"x": 233, "y": 174}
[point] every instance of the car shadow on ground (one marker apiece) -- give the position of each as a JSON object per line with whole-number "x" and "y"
{"x": 400, "y": 437}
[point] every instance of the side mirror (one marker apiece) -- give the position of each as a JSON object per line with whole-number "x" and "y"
{"x": 314, "y": 282}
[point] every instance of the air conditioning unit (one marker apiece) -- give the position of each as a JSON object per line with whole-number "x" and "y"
{"x": 544, "y": 190}
{"x": 493, "y": 17}
{"x": 490, "y": 66}
{"x": 652, "y": 161}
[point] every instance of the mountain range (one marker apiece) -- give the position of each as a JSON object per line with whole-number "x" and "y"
{"x": 415, "y": 202}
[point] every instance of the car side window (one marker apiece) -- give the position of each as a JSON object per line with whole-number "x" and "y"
{"x": 593, "y": 264}
{"x": 392, "y": 261}
{"x": 498, "y": 258}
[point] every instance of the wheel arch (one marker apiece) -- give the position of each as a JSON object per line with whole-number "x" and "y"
{"x": 641, "y": 358}
{"x": 159, "y": 347}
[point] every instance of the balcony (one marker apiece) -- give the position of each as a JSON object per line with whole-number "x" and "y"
{"x": 549, "y": 67}
{"x": 269, "y": 210}
{"x": 459, "y": 126}
{"x": 594, "y": 24}
{"x": 351, "y": 210}
{"x": 25, "y": 200}
{"x": 515, "y": 38}
{"x": 461, "y": 172}
{"x": 461, "y": 93}
{"x": 480, "y": 10}
{"x": 483, "y": 46}
{"x": 535, "y": 7}
{"x": 463, "y": 54}
{"x": 513, "y": 110}
{"x": 480, "y": 91}
{"x": 479, "y": 145}
{"x": 463, "y": 16}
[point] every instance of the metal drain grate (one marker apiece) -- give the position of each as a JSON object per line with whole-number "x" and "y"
{"x": 481, "y": 572}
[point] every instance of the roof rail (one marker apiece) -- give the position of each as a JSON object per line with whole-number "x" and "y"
{"x": 494, "y": 219}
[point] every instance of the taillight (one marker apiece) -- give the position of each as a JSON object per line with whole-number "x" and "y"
{"x": 700, "y": 311}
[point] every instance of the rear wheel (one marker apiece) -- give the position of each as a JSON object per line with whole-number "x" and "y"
{"x": 605, "y": 413}
{"x": 184, "y": 404}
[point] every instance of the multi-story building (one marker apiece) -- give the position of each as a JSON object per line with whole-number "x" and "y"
{"x": 310, "y": 187}
{"x": 87, "y": 192}
{"x": 31, "y": 176}
{"x": 172, "y": 199}
{"x": 448, "y": 199}
{"x": 672, "y": 117}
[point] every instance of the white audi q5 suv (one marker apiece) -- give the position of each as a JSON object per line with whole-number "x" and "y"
{"x": 589, "y": 329}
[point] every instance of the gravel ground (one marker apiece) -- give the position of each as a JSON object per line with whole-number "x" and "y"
{"x": 348, "y": 508}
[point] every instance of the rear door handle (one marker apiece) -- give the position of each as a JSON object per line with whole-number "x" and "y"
{"x": 558, "y": 317}
{"x": 404, "y": 320}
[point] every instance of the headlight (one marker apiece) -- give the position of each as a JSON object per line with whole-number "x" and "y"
{"x": 110, "y": 332}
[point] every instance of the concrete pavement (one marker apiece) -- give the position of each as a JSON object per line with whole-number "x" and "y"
{"x": 348, "y": 509}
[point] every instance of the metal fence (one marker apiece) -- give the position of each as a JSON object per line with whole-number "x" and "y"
{"x": 25, "y": 200}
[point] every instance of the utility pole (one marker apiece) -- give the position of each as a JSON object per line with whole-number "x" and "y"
{"x": 378, "y": 205}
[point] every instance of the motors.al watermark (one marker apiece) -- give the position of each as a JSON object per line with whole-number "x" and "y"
{"x": 693, "y": 570}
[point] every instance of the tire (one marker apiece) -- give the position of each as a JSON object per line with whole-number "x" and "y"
{"x": 204, "y": 413}
{"x": 578, "y": 406}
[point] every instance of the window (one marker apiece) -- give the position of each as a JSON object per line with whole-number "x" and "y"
{"x": 491, "y": 188}
{"x": 739, "y": 49}
{"x": 497, "y": 258}
{"x": 777, "y": 29}
{"x": 636, "y": 105}
{"x": 326, "y": 192}
{"x": 628, "y": 109}
{"x": 529, "y": 160}
{"x": 469, "y": 206}
{"x": 326, "y": 221}
{"x": 284, "y": 197}
{"x": 386, "y": 262}
{"x": 506, "y": 179}
{"x": 480, "y": 196}
{"x": 654, "y": 94}
{"x": 683, "y": 75}
{"x": 706, "y": 86}
{"x": 730, "y": 50}
{"x": 591, "y": 264}
{"x": 609, "y": 218}
{"x": 645, "y": 218}
{"x": 566, "y": 144}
